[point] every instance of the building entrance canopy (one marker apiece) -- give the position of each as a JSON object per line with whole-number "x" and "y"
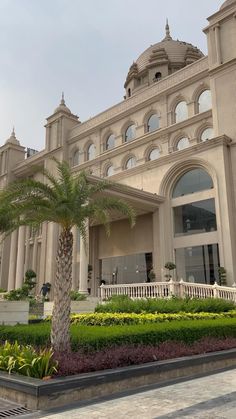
{"x": 141, "y": 201}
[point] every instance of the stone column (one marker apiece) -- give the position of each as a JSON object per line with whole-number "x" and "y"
{"x": 51, "y": 252}
{"x": 12, "y": 261}
{"x": 34, "y": 257}
{"x": 156, "y": 245}
{"x": 217, "y": 43}
{"x": 84, "y": 261}
{"x": 43, "y": 256}
{"x": 20, "y": 257}
{"x": 27, "y": 247}
{"x": 74, "y": 258}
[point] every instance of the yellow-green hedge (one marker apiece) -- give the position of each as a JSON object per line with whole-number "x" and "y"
{"x": 111, "y": 319}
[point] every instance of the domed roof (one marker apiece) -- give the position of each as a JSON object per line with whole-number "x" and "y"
{"x": 62, "y": 107}
{"x": 227, "y": 3}
{"x": 168, "y": 56}
{"x": 12, "y": 139}
{"x": 175, "y": 50}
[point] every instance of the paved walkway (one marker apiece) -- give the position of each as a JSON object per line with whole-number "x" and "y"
{"x": 211, "y": 397}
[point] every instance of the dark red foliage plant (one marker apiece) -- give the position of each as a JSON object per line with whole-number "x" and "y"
{"x": 125, "y": 355}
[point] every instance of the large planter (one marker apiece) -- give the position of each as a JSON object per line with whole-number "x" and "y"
{"x": 14, "y": 312}
{"x": 39, "y": 394}
{"x": 85, "y": 306}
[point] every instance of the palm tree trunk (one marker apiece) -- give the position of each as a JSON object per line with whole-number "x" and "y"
{"x": 60, "y": 332}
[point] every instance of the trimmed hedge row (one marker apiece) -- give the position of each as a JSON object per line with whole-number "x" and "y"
{"x": 124, "y": 304}
{"x": 97, "y": 337}
{"x": 111, "y": 319}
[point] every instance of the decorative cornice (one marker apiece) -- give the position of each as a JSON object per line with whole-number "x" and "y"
{"x": 138, "y": 100}
{"x": 219, "y": 67}
{"x": 219, "y": 16}
{"x": 131, "y": 192}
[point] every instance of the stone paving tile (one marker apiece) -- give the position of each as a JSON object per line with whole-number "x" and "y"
{"x": 211, "y": 397}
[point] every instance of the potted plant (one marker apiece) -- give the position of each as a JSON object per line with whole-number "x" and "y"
{"x": 170, "y": 266}
{"x": 222, "y": 275}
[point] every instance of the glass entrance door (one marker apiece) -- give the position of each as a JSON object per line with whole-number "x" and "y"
{"x": 126, "y": 269}
{"x": 198, "y": 263}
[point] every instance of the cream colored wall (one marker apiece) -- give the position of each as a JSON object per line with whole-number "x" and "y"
{"x": 165, "y": 138}
{"x": 224, "y": 109}
{"x": 124, "y": 240}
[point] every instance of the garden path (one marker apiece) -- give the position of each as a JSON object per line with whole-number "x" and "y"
{"x": 209, "y": 397}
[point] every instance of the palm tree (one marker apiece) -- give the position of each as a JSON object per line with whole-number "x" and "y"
{"x": 68, "y": 200}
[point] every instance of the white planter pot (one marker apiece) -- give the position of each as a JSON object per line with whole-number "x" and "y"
{"x": 14, "y": 312}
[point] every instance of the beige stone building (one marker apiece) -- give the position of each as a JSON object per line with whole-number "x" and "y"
{"x": 172, "y": 142}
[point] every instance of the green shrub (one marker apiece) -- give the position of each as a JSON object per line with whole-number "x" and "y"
{"x": 36, "y": 335}
{"x": 98, "y": 337}
{"x": 124, "y": 304}
{"x": 76, "y": 296}
{"x": 18, "y": 294}
{"x": 111, "y": 319}
{"x": 95, "y": 337}
{"x": 26, "y": 360}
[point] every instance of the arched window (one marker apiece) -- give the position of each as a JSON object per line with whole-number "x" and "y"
{"x": 131, "y": 162}
{"x": 153, "y": 123}
{"x": 195, "y": 180}
{"x": 91, "y": 152}
{"x": 154, "y": 154}
{"x": 181, "y": 111}
{"x": 110, "y": 171}
{"x": 110, "y": 142}
{"x": 194, "y": 215}
{"x": 157, "y": 76}
{"x": 204, "y": 101}
{"x": 76, "y": 158}
{"x": 182, "y": 143}
{"x": 207, "y": 134}
{"x": 130, "y": 133}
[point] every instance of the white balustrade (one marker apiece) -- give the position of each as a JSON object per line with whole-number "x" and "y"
{"x": 167, "y": 289}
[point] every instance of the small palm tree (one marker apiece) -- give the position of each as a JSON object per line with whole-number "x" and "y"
{"x": 68, "y": 200}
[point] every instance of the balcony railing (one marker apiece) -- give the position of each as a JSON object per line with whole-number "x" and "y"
{"x": 168, "y": 289}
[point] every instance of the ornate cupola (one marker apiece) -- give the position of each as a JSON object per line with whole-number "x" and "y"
{"x": 12, "y": 139}
{"x": 11, "y": 153}
{"x": 159, "y": 61}
{"x": 58, "y": 125}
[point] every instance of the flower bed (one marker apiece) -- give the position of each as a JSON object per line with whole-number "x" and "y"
{"x": 125, "y": 355}
{"x": 111, "y": 319}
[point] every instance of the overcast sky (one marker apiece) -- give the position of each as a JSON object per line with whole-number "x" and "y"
{"x": 81, "y": 47}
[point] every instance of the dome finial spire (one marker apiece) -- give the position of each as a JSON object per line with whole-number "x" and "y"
{"x": 167, "y": 29}
{"x": 62, "y": 99}
{"x": 12, "y": 139}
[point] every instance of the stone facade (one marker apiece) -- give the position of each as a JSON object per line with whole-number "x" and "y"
{"x": 175, "y": 130}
